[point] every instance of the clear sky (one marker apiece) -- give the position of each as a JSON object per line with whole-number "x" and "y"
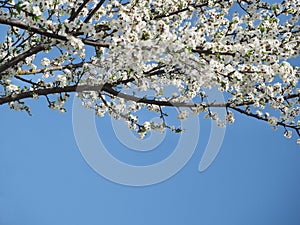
{"x": 44, "y": 180}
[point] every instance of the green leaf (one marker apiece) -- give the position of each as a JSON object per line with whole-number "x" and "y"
{"x": 262, "y": 29}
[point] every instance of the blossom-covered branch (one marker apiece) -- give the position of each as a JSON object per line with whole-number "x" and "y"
{"x": 169, "y": 52}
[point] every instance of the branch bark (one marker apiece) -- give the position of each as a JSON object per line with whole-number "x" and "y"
{"x": 53, "y": 68}
{"x": 45, "y": 33}
{"x": 76, "y": 13}
{"x": 93, "y": 11}
{"x": 21, "y": 57}
{"x": 262, "y": 118}
{"x": 106, "y": 88}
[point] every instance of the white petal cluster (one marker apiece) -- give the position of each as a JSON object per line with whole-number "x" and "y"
{"x": 272, "y": 121}
{"x": 182, "y": 115}
{"x": 158, "y": 51}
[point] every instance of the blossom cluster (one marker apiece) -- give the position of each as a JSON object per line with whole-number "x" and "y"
{"x": 127, "y": 56}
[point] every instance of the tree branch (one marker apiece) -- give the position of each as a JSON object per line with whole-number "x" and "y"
{"x": 36, "y": 30}
{"x": 160, "y": 16}
{"x": 264, "y": 119}
{"x": 93, "y": 11}
{"x": 108, "y": 88}
{"x": 14, "y": 61}
{"x": 193, "y": 5}
{"x": 76, "y": 13}
{"x": 53, "y": 68}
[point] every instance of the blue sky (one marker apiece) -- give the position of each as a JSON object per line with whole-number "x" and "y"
{"x": 45, "y": 180}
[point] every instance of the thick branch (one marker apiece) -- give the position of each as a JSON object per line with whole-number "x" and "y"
{"x": 21, "y": 57}
{"x": 91, "y": 14}
{"x": 48, "y": 34}
{"x": 109, "y": 89}
{"x": 106, "y": 88}
{"x": 209, "y": 52}
{"x": 76, "y": 13}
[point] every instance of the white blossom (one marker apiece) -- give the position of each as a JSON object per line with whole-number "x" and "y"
{"x": 45, "y": 62}
{"x": 272, "y": 121}
{"x": 182, "y": 115}
{"x": 156, "y": 54}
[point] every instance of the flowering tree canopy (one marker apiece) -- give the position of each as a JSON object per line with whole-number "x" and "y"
{"x": 108, "y": 51}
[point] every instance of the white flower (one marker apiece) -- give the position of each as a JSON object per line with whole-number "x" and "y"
{"x": 45, "y": 62}
{"x": 35, "y": 96}
{"x": 288, "y": 134}
{"x": 147, "y": 125}
{"x": 229, "y": 117}
{"x": 272, "y": 121}
{"x": 12, "y": 88}
{"x": 67, "y": 72}
{"x": 182, "y": 115}
{"x": 62, "y": 110}
{"x": 36, "y": 11}
{"x": 131, "y": 126}
{"x": 62, "y": 80}
{"x": 142, "y": 135}
{"x": 258, "y": 112}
